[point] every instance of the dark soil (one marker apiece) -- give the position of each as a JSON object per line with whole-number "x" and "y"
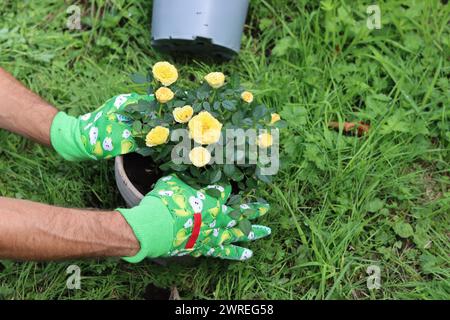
{"x": 141, "y": 171}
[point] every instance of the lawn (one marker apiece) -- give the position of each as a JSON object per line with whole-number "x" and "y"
{"x": 341, "y": 203}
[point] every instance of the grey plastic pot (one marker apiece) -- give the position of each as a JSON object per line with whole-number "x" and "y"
{"x": 211, "y": 27}
{"x": 129, "y": 193}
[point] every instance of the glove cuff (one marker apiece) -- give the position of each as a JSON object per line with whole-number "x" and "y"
{"x": 152, "y": 225}
{"x": 66, "y": 138}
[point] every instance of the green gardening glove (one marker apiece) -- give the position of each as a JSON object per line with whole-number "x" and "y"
{"x": 101, "y": 134}
{"x": 174, "y": 219}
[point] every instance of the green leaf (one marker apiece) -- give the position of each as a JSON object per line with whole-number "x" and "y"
{"x": 261, "y": 200}
{"x": 419, "y": 127}
{"x": 249, "y": 212}
{"x": 265, "y": 23}
{"x": 238, "y": 175}
{"x": 165, "y": 151}
{"x": 235, "y": 214}
{"x": 153, "y": 105}
{"x": 403, "y": 229}
{"x": 127, "y": 115}
{"x": 138, "y": 78}
{"x": 396, "y": 123}
{"x": 295, "y": 114}
{"x": 179, "y": 104}
{"x": 375, "y": 205}
{"x": 251, "y": 183}
{"x": 260, "y": 111}
{"x": 202, "y": 95}
{"x": 280, "y": 124}
{"x": 413, "y": 41}
{"x": 6, "y": 292}
{"x": 315, "y": 155}
{"x": 145, "y": 152}
{"x": 229, "y": 170}
{"x": 245, "y": 226}
{"x": 235, "y": 199}
{"x": 247, "y": 122}
{"x": 137, "y": 126}
{"x": 165, "y": 166}
{"x": 214, "y": 193}
{"x": 168, "y": 118}
{"x": 189, "y": 180}
{"x": 263, "y": 178}
{"x": 236, "y": 118}
{"x": 430, "y": 263}
{"x": 206, "y": 106}
{"x": 283, "y": 45}
{"x": 178, "y": 167}
{"x": 140, "y": 106}
{"x": 197, "y": 107}
{"x": 229, "y": 105}
{"x": 195, "y": 172}
{"x": 215, "y": 175}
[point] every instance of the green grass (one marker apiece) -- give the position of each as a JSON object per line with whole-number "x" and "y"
{"x": 340, "y": 203}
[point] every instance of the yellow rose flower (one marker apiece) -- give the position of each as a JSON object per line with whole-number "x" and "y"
{"x": 247, "y": 96}
{"x": 165, "y": 73}
{"x": 204, "y": 128}
{"x": 275, "y": 117}
{"x": 199, "y": 156}
{"x": 265, "y": 140}
{"x": 158, "y": 135}
{"x": 183, "y": 115}
{"x": 164, "y": 94}
{"x": 215, "y": 79}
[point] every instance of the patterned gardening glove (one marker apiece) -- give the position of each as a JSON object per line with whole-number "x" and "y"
{"x": 101, "y": 134}
{"x": 174, "y": 219}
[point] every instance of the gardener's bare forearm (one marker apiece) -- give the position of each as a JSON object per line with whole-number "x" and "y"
{"x": 23, "y": 112}
{"x": 33, "y": 231}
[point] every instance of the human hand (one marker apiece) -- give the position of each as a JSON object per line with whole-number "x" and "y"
{"x": 174, "y": 219}
{"x": 101, "y": 134}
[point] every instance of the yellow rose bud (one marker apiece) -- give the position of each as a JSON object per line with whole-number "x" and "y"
{"x": 158, "y": 135}
{"x": 215, "y": 79}
{"x": 265, "y": 140}
{"x": 183, "y": 115}
{"x": 165, "y": 73}
{"x": 275, "y": 117}
{"x": 247, "y": 96}
{"x": 164, "y": 95}
{"x": 204, "y": 128}
{"x": 199, "y": 156}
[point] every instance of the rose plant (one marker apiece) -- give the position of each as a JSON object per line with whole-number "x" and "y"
{"x": 206, "y": 112}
